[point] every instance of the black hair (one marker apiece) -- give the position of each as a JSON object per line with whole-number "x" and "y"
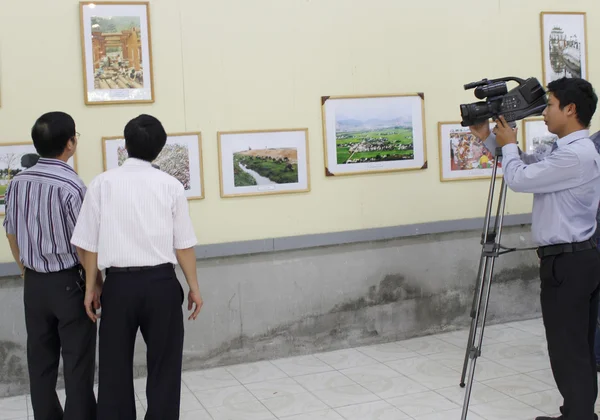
{"x": 576, "y": 91}
{"x": 145, "y": 137}
{"x": 51, "y": 133}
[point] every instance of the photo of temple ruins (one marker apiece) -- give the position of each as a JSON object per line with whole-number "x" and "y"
{"x": 117, "y": 52}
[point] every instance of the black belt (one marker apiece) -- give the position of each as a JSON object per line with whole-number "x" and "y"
{"x": 549, "y": 250}
{"x": 132, "y": 269}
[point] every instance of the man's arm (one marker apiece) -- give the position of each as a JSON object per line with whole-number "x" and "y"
{"x": 82, "y": 254}
{"x": 482, "y": 132}
{"x": 184, "y": 240}
{"x": 85, "y": 239}
{"x": 9, "y": 226}
{"x": 559, "y": 171}
{"x": 14, "y": 249}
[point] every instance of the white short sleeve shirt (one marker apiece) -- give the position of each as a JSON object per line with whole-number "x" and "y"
{"x": 134, "y": 215}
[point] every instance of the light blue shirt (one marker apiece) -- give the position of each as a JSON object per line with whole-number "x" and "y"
{"x": 565, "y": 186}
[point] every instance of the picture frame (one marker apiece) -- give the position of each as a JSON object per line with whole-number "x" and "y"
{"x": 11, "y": 164}
{"x": 116, "y": 49}
{"x": 462, "y": 155}
{"x": 564, "y": 45}
{"x": 181, "y": 158}
{"x": 374, "y": 133}
{"x": 263, "y": 162}
{"x": 536, "y": 137}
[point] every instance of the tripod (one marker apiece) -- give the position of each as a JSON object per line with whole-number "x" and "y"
{"x": 491, "y": 249}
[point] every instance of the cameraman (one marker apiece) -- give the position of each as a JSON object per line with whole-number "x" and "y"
{"x": 566, "y": 188}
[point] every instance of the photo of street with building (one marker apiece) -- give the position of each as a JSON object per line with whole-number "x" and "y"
{"x": 265, "y": 166}
{"x": 564, "y": 46}
{"x": 538, "y": 140}
{"x": 117, "y": 52}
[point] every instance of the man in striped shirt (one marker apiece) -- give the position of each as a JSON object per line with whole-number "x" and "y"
{"x": 42, "y": 206}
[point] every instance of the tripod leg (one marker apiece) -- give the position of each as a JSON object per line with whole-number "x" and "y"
{"x": 485, "y": 237}
{"x": 474, "y": 309}
{"x": 486, "y": 284}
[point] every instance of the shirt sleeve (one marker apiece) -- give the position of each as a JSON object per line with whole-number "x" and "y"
{"x": 9, "y": 211}
{"x": 183, "y": 230}
{"x": 73, "y": 205}
{"x": 559, "y": 171}
{"x": 87, "y": 227}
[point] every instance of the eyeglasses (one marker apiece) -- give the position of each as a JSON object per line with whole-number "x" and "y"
{"x": 77, "y": 135}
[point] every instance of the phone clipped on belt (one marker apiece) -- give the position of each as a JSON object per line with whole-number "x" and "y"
{"x": 81, "y": 280}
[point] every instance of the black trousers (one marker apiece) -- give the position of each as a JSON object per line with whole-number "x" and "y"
{"x": 150, "y": 300}
{"x": 569, "y": 297}
{"x": 55, "y": 319}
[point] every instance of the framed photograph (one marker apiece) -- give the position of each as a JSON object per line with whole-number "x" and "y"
{"x": 564, "y": 45}
{"x": 117, "y": 53}
{"x": 181, "y": 158}
{"x": 367, "y": 134}
{"x": 15, "y": 158}
{"x": 462, "y": 155}
{"x": 263, "y": 162}
{"x": 536, "y": 137}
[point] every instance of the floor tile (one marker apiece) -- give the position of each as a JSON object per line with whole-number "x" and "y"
{"x": 422, "y": 404}
{"x": 13, "y": 408}
{"x": 371, "y": 373}
{"x": 275, "y": 388}
{"x": 346, "y": 395}
{"x": 345, "y": 359}
{"x": 302, "y": 365}
{"x": 377, "y": 410}
{"x": 509, "y": 409}
{"x": 294, "y": 404}
{"x": 256, "y": 372}
{"x": 387, "y": 352}
{"x": 320, "y": 381}
{"x": 517, "y": 385}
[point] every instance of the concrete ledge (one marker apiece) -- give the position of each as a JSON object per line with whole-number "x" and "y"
{"x": 328, "y": 239}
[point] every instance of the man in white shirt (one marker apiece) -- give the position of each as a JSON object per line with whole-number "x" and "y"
{"x": 135, "y": 224}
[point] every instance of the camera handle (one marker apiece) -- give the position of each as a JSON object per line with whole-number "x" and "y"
{"x": 491, "y": 249}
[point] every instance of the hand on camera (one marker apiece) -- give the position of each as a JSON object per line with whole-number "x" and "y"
{"x": 505, "y": 134}
{"x": 481, "y": 130}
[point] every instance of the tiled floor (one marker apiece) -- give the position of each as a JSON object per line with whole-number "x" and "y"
{"x": 413, "y": 379}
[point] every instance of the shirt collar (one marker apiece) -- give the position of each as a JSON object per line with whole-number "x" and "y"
{"x": 576, "y": 135}
{"x": 136, "y": 162}
{"x": 55, "y": 162}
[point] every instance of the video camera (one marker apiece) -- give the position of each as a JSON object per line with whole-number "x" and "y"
{"x": 527, "y": 99}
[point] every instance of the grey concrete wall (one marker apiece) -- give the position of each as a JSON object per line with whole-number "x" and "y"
{"x": 297, "y": 302}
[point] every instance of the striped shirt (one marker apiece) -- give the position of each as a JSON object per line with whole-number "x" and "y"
{"x": 42, "y": 205}
{"x": 134, "y": 215}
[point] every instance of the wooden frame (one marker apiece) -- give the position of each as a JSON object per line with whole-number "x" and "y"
{"x": 452, "y": 169}
{"x": 293, "y": 143}
{"x": 129, "y": 80}
{"x": 548, "y": 22}
{"x": 194, "y": 185}
{"x": 13, "y": 161}
{"x": 414, "y": 104}
{"x": 540, "y": 129}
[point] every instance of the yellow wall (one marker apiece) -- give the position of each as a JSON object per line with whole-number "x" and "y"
{"x": 263, "y": 64}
